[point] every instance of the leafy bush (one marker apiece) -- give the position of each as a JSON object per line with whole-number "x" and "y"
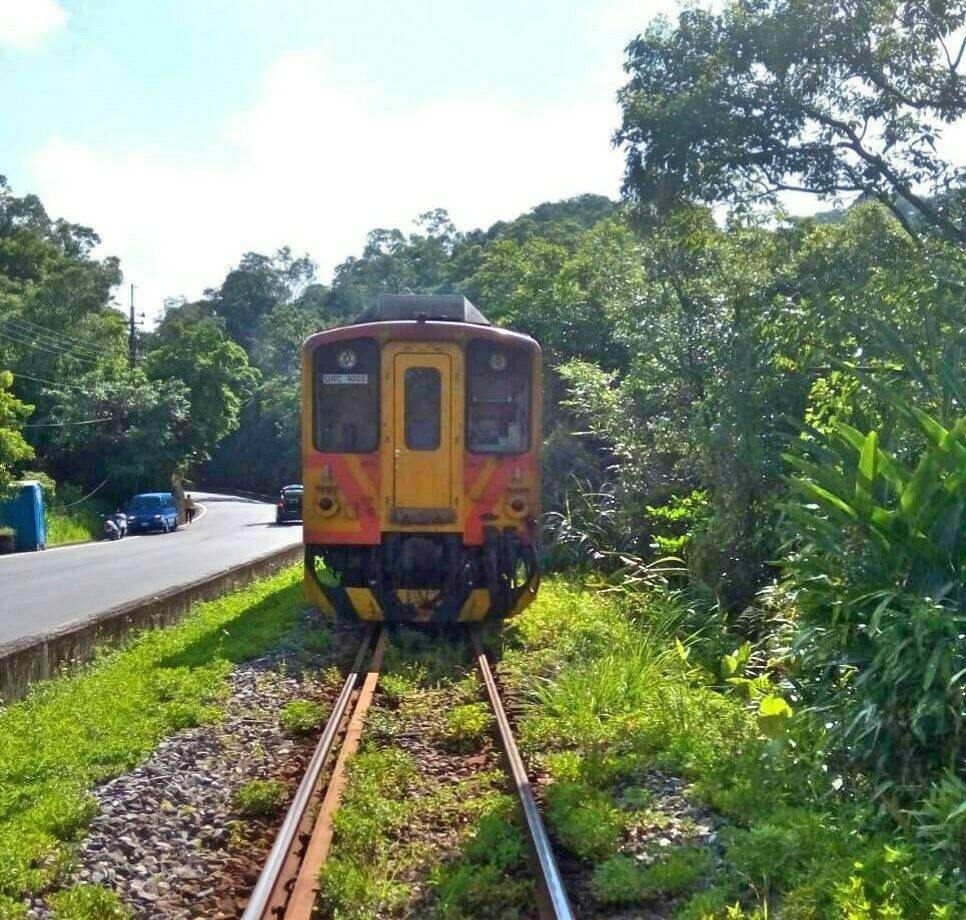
{"x": 356, "y": 892}
{"x": 584, "y": 819}
{"x": 681, "y": 518}
{"x": 483, "y": 881}
{"x": 942, "y": 818}
{"x": 260, "y": 798}
{"x": 622, "y": 880}
{"x": 678, "y": 871}
{"x": 618, "y": 880}
{"x": 466, "y": 891}
{"x": 374, "y": 803}
{"x": 466, "y": 724}
{"x": 89, "y": 902}
{"x": 11, "y": 909}
{"x": 301, "y": 717}
{"x": 496, "y": 839}
{"x": 881, "y": 579}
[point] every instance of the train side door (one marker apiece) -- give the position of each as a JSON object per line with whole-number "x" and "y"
{"x": 425, "y": 431}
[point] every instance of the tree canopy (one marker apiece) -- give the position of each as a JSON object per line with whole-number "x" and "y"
{"x": 824, "y": 96}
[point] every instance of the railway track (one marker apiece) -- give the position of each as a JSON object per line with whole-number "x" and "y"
{"x": 287, "y": 888}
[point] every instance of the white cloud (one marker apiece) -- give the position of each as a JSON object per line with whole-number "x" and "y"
{"x": 26, "y": 24}
{"x": 315, "y": 164}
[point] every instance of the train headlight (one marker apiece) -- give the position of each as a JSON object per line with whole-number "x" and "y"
{"x": 498, "y": 361}
{"x": 517, "y": 506}
{"x": 328, "y": 505}
{"x": 347, "y": 359}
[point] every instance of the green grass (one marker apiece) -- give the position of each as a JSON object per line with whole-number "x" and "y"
{"x": 465, "y": 725}
{"x": 409, "y": 842}
{"x": 610, "y": 690}
{"x": 483, "y": 880}
{"x": 301, "y": 717}
{"x": 622, "y": 880}
{"x": 260, "y": 798}
{"x": 72, "y": 527}
{"x": 75, "y": 731}
{"x": 359, "y": 880}
{"x": 89, "y": 902}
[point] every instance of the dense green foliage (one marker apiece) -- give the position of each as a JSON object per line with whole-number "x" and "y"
{"x": 753, "y": 419}
{"x": 823, "y": 96}
{"x": 13, "y": 447}
{"x": 99, "y": 420}
{"x": 796, "y": 841}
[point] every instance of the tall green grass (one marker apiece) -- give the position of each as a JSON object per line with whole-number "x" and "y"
{"x": 71, "y": 527}
{"x": 75, "y": 731}
{"x": 610, "y": 693}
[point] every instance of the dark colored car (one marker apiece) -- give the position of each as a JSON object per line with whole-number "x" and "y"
{"x": 289, "y": 506}
{"x": 152, "y": 511}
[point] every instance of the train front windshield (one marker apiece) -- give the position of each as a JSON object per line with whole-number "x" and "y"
{"x": 498, "y": 399}
{"x": 347, "y": 397}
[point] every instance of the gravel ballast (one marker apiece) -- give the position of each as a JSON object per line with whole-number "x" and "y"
{"x": 166, "y": 838}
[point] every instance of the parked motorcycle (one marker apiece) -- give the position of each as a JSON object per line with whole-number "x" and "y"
{"x": 115, "y": 526}
{"x": 120, "y": 518}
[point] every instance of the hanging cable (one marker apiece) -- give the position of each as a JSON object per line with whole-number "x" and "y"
{"x": 88, "y": 495}
{"x": 83, "y": 342}
{"x": 40, "y": 332}
{"x": 12, "y": 336}
{"x": 70, "y": 386}
{"x": 87, "y": 421}
{"x": 47, "y": 341}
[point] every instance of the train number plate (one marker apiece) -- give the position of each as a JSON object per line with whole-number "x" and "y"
{"x": 345, "y": 378}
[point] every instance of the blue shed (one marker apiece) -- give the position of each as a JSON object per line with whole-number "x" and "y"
{"x": 24, "y": 512}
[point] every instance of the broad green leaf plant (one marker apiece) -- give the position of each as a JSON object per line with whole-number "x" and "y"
{"x": 879, "y": 568}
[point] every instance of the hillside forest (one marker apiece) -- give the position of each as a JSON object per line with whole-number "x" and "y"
{"x": 760, "y": 416}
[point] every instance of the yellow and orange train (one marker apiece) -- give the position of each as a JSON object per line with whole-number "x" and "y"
{"x": 421, "y": 464}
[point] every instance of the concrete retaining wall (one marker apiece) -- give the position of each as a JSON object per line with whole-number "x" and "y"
{"x": 39, "y": 657}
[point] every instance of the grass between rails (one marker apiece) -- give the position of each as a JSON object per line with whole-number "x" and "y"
{"x": 426, "y": 828}
{"x": 75, "y": 731}
{"x": 610, "y": 694}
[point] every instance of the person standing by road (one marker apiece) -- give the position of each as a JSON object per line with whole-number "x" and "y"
{"x": 189, "y": 508}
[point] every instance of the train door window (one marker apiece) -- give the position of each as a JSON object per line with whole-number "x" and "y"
{"x": 497, "y": 399}
{"x": 347, "y": 396}
{"x": 422, "y": 408}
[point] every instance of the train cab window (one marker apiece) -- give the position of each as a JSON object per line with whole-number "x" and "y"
{"x": 421, "y": 414}
{"x": 347, "y": 396}
{"x": 497, "y": 399}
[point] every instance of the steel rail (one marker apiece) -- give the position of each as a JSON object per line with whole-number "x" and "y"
{"x": 305, "y": 890}
{"x": 265, "y": 896}
{"x": 556, "y": 904}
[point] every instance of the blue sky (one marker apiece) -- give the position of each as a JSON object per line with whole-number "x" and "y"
{"x": 188, "y": 131}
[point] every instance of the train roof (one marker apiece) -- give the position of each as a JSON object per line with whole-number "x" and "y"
{"x": 452, "y": 308}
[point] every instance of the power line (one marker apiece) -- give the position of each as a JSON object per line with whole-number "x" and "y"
{"x": 49, "y": 340}
{"x": 44, "y": 332}
{"x": 53, "y": 383}
{"x": 87, "y": 421}
{"x": 12, "y": 335}
{"x": 87, "y": 343}
{"x": 88, "y": 495}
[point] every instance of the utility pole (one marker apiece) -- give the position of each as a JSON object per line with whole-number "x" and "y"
{"x": 132, "y": 341}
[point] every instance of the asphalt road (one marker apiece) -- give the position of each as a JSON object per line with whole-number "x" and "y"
{"x": 40, "y": 591}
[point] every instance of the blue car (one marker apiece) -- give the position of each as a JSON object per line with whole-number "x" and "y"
{"x": 152, "y": 511}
